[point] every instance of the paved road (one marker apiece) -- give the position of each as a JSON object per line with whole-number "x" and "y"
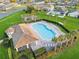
{"x": 7, "y": 13}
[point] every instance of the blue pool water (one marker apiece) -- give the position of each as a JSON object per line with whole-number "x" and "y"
{"x": 44, "y": 32}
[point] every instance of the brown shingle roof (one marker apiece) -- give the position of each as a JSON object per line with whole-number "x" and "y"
{"x": 22, "y": 35}
{"x": 26, "y": 39}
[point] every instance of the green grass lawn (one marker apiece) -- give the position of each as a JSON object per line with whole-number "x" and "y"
{"x": 9, "y": 21}
{"x": 69, "y": 22}
{"x": 4, "y": 24}
{"x": 3, "y": 52}
{"x": 10, "y": 53}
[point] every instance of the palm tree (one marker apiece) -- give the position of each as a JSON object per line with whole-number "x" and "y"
{"x": 70, "y": 38}
{"x": 33, "y": 12}
{"x": 73, "y": 36}
{"x": 67, "y": 37}
{"x": 60, "y": 38}
{"x": 77, "y": 34}
{"x": 57, "y": 48}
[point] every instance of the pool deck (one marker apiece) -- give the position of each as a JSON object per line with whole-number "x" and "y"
{"x": 44, "y": 43}
{"x": 31, "y": 31}
{"x": 54, "y": 28}
{"x": 49, "y": 25}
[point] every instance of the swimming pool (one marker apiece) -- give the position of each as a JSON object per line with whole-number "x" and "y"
{"x": 44, "y": 32}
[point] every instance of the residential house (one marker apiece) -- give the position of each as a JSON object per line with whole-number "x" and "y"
{"x": 3, "y": 1}
{"x": 27, "y": 1}
{"x": 60, "y": 11}
{"x": 21, "y": 36}
{"x": 6, "y": 6}
{"x": 74, "y": 14}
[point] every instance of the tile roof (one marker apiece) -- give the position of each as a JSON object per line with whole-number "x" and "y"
{"x": 22, "y": 35}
